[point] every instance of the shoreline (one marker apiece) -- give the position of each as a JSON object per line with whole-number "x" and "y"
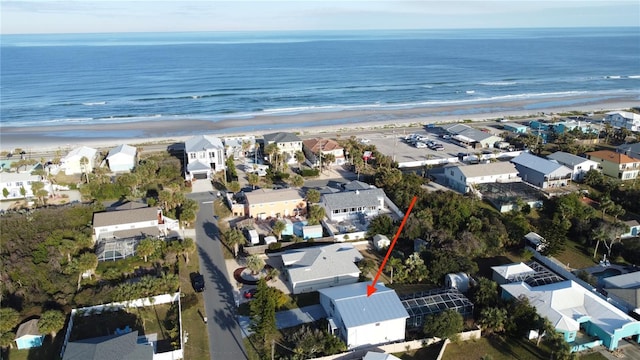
{"x": 151, "y": 132}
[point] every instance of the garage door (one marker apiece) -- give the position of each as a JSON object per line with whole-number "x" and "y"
{"x": 200, "y": 176}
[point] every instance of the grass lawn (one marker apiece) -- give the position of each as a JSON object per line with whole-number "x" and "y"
{"x": 576, "y": 255}
{"x": 496, "y": 347}
{"x": 197, "y": 345}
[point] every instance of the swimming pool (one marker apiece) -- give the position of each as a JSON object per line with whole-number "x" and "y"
{"x": 606, "y": 273}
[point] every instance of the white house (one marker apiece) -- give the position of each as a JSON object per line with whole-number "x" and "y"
{"x": 287, "y": 143}
{"x": 578, "y": 165}
{"x": 239, "y": 146}
{"x": 462, "y": 178}
{"x": 319, "y": 267}
{"x": 571, "y": 308}
{"x": 204, "y": 156}
{"x": 314, "y": 147}
{"x": 623, "y": 119}
{"x": 71, "y": 163}
{"x": 460, "y": 281}
{"x": 14, "y": 182}
{"x": 122, "y": 158}
{"x": 352, "y": 204}
{"x": 361, "y": 320}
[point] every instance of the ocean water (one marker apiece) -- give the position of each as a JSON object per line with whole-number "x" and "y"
{"x": 106, "y": 78}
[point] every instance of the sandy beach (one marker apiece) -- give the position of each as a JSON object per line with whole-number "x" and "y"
{"x": 135, "y": 133}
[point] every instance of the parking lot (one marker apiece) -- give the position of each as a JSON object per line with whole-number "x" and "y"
{"x": 392, "y": 143}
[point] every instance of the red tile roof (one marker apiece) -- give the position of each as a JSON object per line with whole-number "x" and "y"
{"x": 612, "y": 156}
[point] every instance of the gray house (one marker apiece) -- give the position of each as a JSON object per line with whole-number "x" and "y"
{"x": 288, "y": 144}
{"x": 352, "y": 204}
{"x": 577, "y": 164}
{"x": 125, "y": 347}
{"x": 541, "y": 172}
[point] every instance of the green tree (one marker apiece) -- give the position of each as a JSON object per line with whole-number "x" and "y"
{"x": 485, "y": 294}
{"x": 146, "y": 248}
{"x": 84, "y": 167}
{"x": 255, "y": 264}
{"x": 23, "y": 192}
{"x": 87, "y": 262}
{"x": 5, "y": 192}
{"x": 396, "y": 268}
{"x": 444, "y": 325}
{"x": 9, "y": 319}
{"x": 263, "y": 313}
{"x": 493, "y": 319}
{"x": 38, "y": 190}
{"x": 233, "y": 239}
{"x": 297, "y": 181}
{"x": 51, "y": 321}
{"x": 188, "y": 247}
{"x": 316, "y": 214}
{"x": 233, "y": 186}
{"x": 313, "y": 196}
{"x": 299, "y": 155}
{"x": 188, "y": 211}
{"x": 253, "y": 179}
{"x": 367, "y": 266}
{"x": 278, "y": 228}
{"x": 381, "y": 224}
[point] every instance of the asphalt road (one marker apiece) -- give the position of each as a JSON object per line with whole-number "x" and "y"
{"x": 225, "y": 339}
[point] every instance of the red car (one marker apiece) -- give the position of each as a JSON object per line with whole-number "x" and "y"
{"x": 249, "y": 294}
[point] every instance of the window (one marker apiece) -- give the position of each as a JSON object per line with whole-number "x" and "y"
{"x": 192, "y": 155}
{"x": 212, "y": 155}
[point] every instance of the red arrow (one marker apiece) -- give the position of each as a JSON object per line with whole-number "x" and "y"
{"x": 372, "y": 288}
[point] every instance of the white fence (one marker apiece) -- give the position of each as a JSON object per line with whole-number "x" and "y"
{"x": 401, "y": 347}
{"x": 144, "y": 302}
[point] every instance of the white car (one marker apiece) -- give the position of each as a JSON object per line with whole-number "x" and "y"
{"x": 421, "y": 145}
{"x": 365, "y": 141}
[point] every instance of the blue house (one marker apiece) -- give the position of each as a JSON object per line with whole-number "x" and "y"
{"x": 515, "y": 128}
{"x": 28, "y": 335}
{"x": 571, "y": 309}
{"x": 541, "y": 172}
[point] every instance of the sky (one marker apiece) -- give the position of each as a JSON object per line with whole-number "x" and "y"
{"x": 82, "y": 16}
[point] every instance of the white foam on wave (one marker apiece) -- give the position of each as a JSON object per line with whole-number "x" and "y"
{"x": 95, "y": 103}
{"x": 498, "y": 83}
{"x": 634, "y": 76}
{"x": 613, "y": 77}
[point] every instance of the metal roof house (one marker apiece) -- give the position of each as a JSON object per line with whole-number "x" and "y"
{"x": 461, "y": 178}
{"x": 319, "y": 267}
{"x": 363, "y": 321}
{"x": 28, "y": 335}
{"x": 469, "y": 136}
{"x": 578, "y": 165}
{"x": 572, "y": 308}
{"x": 122, "y": 158}
{"x": 204, "y": 156}
{"x": 541, "y": 172}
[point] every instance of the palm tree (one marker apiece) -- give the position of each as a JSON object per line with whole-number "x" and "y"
{"x": 87, "y": 262}
{"x": 146, "y": 248}
{"x": 188, "y": 247}
{"x": 255, "y": 264}
{"x": 234, "y": 186}
{"x": 297, "y": 181}
{"x": 84, "y": 162}
{"x": 233, "y": 239}
{"x": 51, "y": 322}
{"x": 253, "y": 179}
{"x": 278, "y": 228}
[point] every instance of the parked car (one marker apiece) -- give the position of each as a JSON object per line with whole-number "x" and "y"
{"x": 365, "y": 141}
{"x": 421, "y": 145}
{"x": 249, "y": 294}
{"x": 197, "y": 281}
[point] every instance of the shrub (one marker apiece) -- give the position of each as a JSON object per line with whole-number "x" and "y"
{"x": 310, "y": 172}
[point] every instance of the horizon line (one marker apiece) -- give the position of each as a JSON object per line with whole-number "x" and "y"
{"x": 323, "y": 30}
